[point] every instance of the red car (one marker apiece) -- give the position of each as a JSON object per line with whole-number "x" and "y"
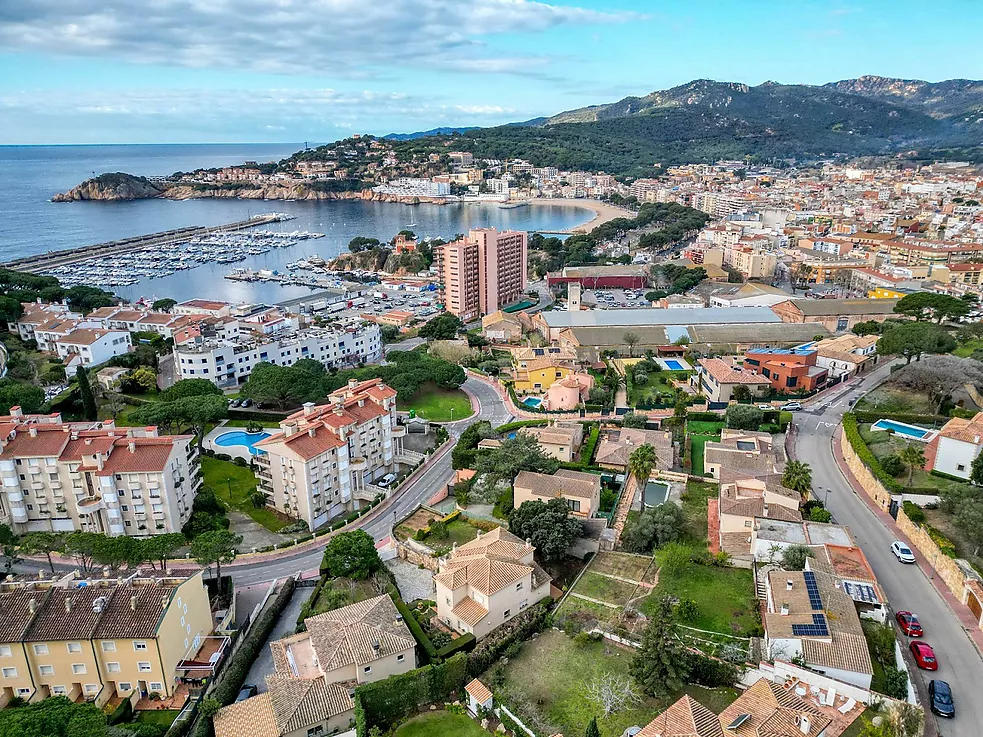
{"x": 909, "y": 624}
{"x": 924, "y": 655}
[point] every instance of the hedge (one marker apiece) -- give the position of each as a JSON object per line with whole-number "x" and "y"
{"x": 913, "y": 512}
{"x": 517, "y": 629}
{"x": 429, "y": 653}
{"x": 509, "y": 426}
{"x": 464, "y": 644}
{"x": 868, "y": 416}
{"x": 593, "y": 436}
{"x": 946, "y": 546}
{"x": 852, "y": 432}
{"x": 384, "y": 703}
{"x": 948, "y": 476}
{"x": 122, "y": 713}
{"x": 705, "y": 416}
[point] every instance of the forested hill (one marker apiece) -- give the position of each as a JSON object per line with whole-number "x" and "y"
{"x": 706, "y": 120}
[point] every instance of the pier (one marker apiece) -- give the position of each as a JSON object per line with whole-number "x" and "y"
{"x": 44, "y": 262}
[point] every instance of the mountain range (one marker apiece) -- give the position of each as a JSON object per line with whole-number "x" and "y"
{"x": 705, "y": 120}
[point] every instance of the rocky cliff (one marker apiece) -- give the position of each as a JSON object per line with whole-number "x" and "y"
{"x": 116, "y": 186}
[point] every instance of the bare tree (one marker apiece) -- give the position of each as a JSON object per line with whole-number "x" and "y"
{"x": 612, "y": 693}
{"x": 939, "y": 377}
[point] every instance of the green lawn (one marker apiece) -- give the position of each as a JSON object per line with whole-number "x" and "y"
{"x": 439, "y": 405}
{"x": 965, "y": 350}
{"x": 887, "y": 398}
{"x": 458, "y": 531}
{"x": 702, "y": 427}
{"x": 724, "y": 597}
{"x": 547, "y": 683}
{"x": 339, "y": 592}
{"x": 440, "y": 724}
{"x": 657, "y": 383}
{"x": 163, "y": 717}
{"x": 234, "y": 485}
{"x": 604, "y": 588}
{"x": 694, "y": 501}
{"x": 697, "y": 446}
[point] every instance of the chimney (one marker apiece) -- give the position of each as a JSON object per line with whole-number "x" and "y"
{"x": 528, "y": 543}
{"x": 784, "y": 610}
{"x": 33, "y": 431}
{"x": 352, "y": 383}
{"x": 375, "y": 645}
{"x": 131, "y": 446}
{"x": 308, "y": 408}
{"x": 32, "y": 605}
{"x": 804, "y": 724}
{"x": 16, "y": 411}
{"x": 68, "y": 603}
{"x": 289, "y": 428}
{"x": 133, "y": 603}
{"x": 788, "y": 585}
{"x": 312, "y": 431}
{"x": 339, "y": 410}
{"x": 361, "y": 402}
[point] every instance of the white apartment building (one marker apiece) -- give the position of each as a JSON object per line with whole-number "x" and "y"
{"x": 409, "y": 187}
{"x": 59, "y": 476}
{"x": 228, "y": 361}
{"x": 319, "y": 464}
{"x": 91, "y": 347}
{"x": 38, "y": 313}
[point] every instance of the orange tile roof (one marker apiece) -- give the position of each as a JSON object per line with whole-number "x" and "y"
{"x": 772, "y": 712}
{"x": 684, "y": 718}
{"x": 148, "y": 455}
{"x": 478, "y": 691}
{"x": 469, "y": 611}
{"x": 44, "y": 443}
{"x": 968, "y": 431}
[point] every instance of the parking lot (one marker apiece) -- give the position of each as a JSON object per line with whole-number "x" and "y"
{"x": 615, "y": 298}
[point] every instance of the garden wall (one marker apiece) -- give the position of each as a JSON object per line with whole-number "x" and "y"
{"x": 412, "y": 553}
{"x": 947, "y": 568}
{"x": 871, "y": 486}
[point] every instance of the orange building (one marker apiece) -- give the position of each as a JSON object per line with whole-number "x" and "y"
{"x": 483, "y": 272}
{"x": 790, "y": 370}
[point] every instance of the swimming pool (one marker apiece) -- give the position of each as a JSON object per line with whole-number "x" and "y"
{"x": 533, "y": 402}
{"x": 674, "y": 364}
{"x": 656, "y": 492}
{"x": 240, "y": 437}
{"x": 905, "y": 430}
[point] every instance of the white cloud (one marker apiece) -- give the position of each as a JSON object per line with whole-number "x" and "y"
{"x": 353, "y": 38}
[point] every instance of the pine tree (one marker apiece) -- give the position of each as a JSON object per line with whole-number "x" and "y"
{"x": 661, "y": 665}
{"x": 592, "y": 730}
{"x": 85, "y": 392}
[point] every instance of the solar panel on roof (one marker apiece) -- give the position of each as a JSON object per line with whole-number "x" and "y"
{"x": 538, "y": 352}
{"x": 861, "y": 592}
{"x": 815, "y": 600}
{"x": 741, "y": 718}
{"x": 818, "y": 628}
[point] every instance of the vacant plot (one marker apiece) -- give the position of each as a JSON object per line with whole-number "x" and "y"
{"x": 439, "y": 405}
{"x": 606, "y": 589}
{"x": 887, "y": 398}
{"x": 235, "y": 485}
{"x": 458, "y": 531}
{"x": 724, "y": 598}
{"x": 419, "y": 520}
{"x": 547, "y": 684}
{"x": 694, "y": 501}
{"x": 697, "y": 448}
{"x": 625, "y": 565}
{"x": 439, "y": 724}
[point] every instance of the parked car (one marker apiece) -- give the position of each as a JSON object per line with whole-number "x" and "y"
{"x": 909, "y": 624}
{"x": 248, "y": 690}
{"x": 940, "y": 699}
{"x": 386, "y": 480}
{"x": 235, "y": 402}
{"x": 924, "y": 655}
{"x": 246, "y": 402}
{"x": 791, "y": 406}
{"x": 765, "y": 407}
{"x": 902, "y": 552}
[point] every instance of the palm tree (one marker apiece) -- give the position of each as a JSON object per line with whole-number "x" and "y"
{"x": 797, "y": 476}
{"x": 641, "y": 462}
{"x": 913, "y": 457}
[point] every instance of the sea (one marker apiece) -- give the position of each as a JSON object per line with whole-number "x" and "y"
{"x": 30, "y": 223}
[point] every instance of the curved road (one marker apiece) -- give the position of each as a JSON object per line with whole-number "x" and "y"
{"x": 906, "y": 586}
{"x": 409, "y": 496}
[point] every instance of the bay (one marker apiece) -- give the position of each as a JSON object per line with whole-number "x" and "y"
{"x": 31, "y": 224}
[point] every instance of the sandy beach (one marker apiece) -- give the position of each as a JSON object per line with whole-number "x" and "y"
{"x": 603, "y": 211}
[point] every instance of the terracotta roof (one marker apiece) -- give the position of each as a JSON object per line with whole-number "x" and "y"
{"x": 489, "y": 563}
{"x": 562, "y": 483}
{"x": 306, "y": 446}
{"x": 45, "y": 442}
{"x": 204, "y": 304}
{"x": 772, "y": 711}
{"x": 725, "y": 372}
{"x": 15, "y": 612}
{"x": 349, "y": 635}
{"x": 67, "y": 614}
{"x": 125, "y": 620}
{"x": 684, "y": 718}
{"x": 299, "y": 703}
{"x": 968, "y": 431}
{"x": 478, "y": 691}
{"x": 252, "y": 717}
{"x": 87, "y": 337}
{"x": 616, "y": 446}
{"x": 556, "y": 434}
{"x": 469, "y": 611}
{"x": 148, "y": 455}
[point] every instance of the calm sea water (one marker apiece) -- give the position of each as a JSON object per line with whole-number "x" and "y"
{"x": 30, "y": 175}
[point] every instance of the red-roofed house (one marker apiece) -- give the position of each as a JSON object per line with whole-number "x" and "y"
{"x": 717, "y": 378}
{"x": 317, "y": 467}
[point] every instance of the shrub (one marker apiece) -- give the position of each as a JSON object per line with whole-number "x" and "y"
{"x": 946, "y": 546}
{"x": 852, "y": 433}
{"x": 463, "y": 644}
{"x": 893, "y": 465}
{"x": 915, "y": 513}
{"x": 744, "y": 417}
{"x": 687, "y": 610}
{"x": 712, "y": 673}
{"x": 510, "y": 426}
{"x": 122, "y": 713}
{"x": 429, "y": 651}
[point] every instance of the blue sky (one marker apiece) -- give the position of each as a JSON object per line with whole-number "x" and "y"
{"x": 120, "y": 71}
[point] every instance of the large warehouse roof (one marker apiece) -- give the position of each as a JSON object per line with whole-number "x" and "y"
{"x": 650, "y": 317}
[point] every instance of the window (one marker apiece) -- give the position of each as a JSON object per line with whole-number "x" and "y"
{"x": 143, "y": 666}
{"x": 41, "y": 649}
{"x": 112, "y": 667}
{"x": 315, "y": 731}
{"x": 960, "y": 467}
{"x": 5, "y": 651}
{"x": 23, "y": 691}
{"x": 9, "y": 672}
{"x": 75, "y": 647}
{"x": 108, "y": 646}
{"x": 59, "y": 690}
{"x": 523, "y": 604}
{"x": 92, "y": 688}
{"x": 46, "y": 670}
{"x": 156, "y": 686}
{"x": 367, "y": 669}
{"x": 138, "y": 645}
{"x": 508, "y": 613}
{"x": 791, "y": 381}
{"x": 447, "y": 599}
{"x": 124, "y": 687}
{"x": 78, "y": 668}
{"x": 399, "y": 658}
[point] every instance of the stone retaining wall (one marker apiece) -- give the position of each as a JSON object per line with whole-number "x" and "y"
{"x": 868, "y": 482}
{"x": 412, "y": 554}
{"x": 948, "y": 569}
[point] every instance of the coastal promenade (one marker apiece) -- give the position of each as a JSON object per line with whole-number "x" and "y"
{"x": 45, "y": 261}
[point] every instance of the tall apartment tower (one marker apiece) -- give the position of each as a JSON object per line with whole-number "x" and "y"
{"x": 484, "y": 271}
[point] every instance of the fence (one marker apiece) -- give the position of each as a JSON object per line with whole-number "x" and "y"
{"x": 502, "y": 708}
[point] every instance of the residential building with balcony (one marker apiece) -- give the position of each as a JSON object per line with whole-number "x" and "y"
{"x": 96, "y": 639}
{"x": 486, "y": 582}
{"x": 483, "y": 272}
{"x": 59, "y": 477}
{"x": 322, "y": 462}
{"x": 91, "y": 347}
{"x": 230, "y": 361}
{"x": 580, "y": 491}
{"x": 789, "y": 370}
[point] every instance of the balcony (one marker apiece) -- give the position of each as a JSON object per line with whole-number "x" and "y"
{"x": 89, "y": 505}
{"x": 15, "y": 496}
{"x": 399, "y": 431}
{"x": 358, "y": 464}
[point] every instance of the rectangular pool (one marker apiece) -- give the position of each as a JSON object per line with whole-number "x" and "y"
{"x": 905, "y": 430}
{"x": 656, "y": 492}
{"x": 533, "y": 402}
{"x": 674, "y": 364}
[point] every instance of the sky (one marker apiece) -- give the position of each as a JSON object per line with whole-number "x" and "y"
{"x": 217, "y": 71}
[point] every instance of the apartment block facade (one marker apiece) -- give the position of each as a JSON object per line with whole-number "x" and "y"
{"x": 60, "y": 476}
{"x": 483, "y": 272}
{"x": 318, "y": 465}
{"x": 228, "y": 361}
{"x": 99, "y": 638}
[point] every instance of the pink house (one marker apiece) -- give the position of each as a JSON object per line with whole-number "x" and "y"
{"x": 567, "y": 393}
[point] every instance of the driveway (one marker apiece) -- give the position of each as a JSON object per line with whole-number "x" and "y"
{"x": 906, "y": 586}
{"x": 285, "y": 626}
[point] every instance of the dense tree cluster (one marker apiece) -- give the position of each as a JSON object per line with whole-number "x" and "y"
{"x": 548, "y": 525}
{"x": 18, "y": 287}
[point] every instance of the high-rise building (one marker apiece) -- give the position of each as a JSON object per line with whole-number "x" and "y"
{"x": 483, "y": 272}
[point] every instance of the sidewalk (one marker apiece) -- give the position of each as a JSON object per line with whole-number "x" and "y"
{"x": 959, "y": 610}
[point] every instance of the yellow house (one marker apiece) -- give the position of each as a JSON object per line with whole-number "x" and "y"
{"x": 95, "y": 639}
{"x": 536, "y": 375}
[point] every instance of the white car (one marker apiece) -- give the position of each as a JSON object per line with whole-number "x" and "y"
{"x": 791, "y": 407}
{"x": 386, "y": 480}
{"x": 902, "y": 552}
{"x": 765, "y": 407}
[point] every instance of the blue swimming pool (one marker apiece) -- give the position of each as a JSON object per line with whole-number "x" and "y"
{"x": 901, "y": 428}
{"x": 240, "y": 437}
{"x": 533, "y": 402}
{"x": 674, "y": 365}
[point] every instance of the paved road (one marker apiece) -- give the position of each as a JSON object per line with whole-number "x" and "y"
{"x": 905, "y": 585}
{"x": 407, "y": 498}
